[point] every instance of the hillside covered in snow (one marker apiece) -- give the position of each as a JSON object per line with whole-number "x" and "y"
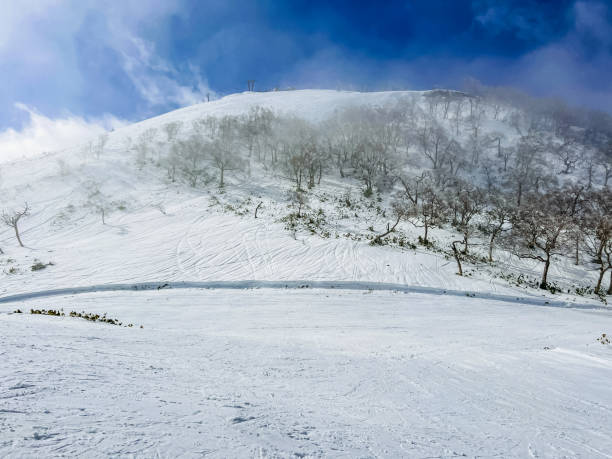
{"x": 327, "y": 274}
{"x": 343, "y": 185}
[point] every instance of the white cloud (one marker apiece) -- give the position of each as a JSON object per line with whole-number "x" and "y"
{"x": 44, "y": 36}
{"x": 44, "y": 67}
{"x": 156, "y": 80}
{"x": 41, "y": 134}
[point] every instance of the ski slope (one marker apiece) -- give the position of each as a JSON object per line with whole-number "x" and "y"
{"x": 386, "y": 353}
{"x": 304, "y": 373}
{"x": 159, "y": 231}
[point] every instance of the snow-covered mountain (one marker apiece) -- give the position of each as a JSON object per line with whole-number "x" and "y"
{"x": 159, "y": 230}
{"x": 286, "y": 323}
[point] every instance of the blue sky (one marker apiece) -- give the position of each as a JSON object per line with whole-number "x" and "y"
{"x": 102, "y": 60}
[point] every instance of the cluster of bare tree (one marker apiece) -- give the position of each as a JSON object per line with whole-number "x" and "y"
{"x": 214, "y": 146}
{"x": 569, "y": 221}
{"x": 525, "y": 176}
{"x": 445, "y": 134}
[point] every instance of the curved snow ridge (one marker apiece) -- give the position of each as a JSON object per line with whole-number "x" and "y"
{"x": 257, "y": 284}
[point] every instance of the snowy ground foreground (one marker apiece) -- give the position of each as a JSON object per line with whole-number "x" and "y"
{"x": 304, "y": 373}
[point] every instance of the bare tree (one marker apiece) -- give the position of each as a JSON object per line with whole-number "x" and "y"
{"x": 497, "y": 217}
{"x": 457, "y": 256}
{"x": 258, "y": 207}
{"x": 604, "y": 161}
{"x": 457, "y": 118}
{"x": 98, "y": 200}
{"x": 468, "y": 203}
{"x": 173, "y": 160}
{"x": 428, "y": 213}
{"x": 489, "y": 169}
{"x": 506, "y": 153}
{"x": 539, "y": 226}
{"x": 300, "y": 200}
{"x": 366, "y": 162}
{"x": 255, "y": 128}
{"x": 414, "y": 186}
{"x": 12, "y": 218}
{"x": 589, "y": 167}
{"x": 296, "y": 166}
{"x": 98, "y": 147}
{"x": 191, "y": 155}
{"x": 598, "y": 232}
{"x": 566, "y": 150}
{"x": 454, "y": 158}
{"x": 342, "y": 140}
{"x": 399, "y": 210}
{"x": 298, "y": 150}
{"x": 433, "y": 143}
{"x": 143, "y": 145}
{"x": 172, "y": 129}
{"x": 224, "y": 148}
{"x": 523, "y": 173}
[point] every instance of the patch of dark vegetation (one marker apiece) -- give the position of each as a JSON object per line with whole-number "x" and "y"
{"x": 38, "y": 265}
{"x": 81, "y": 315}
{"x": 399, "y": 241}
{"x": 47, "y": 312}
{"x": 604, "y": 339}
{"x": 312, "y": 221}
{"x": 522, "y": 280}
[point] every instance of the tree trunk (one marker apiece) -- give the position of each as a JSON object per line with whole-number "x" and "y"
{"x": 610, "y": 286}
{"x": 544, "y": 283}
{"x": 491, "y": 244}
{"x": 577, "y": 254}
{"x": 389, "y": 230}
{"x": 465, "y": 243}
{"x": 17, "y": 235}
{"x": 457, "y": 257}
{"x": 221, "y": 184}
{"x": 602, "y": 272}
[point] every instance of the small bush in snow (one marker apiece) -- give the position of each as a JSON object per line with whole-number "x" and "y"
{"x": 38, "y": 265}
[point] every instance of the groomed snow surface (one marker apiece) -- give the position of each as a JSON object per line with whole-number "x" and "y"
{"x": 304, "y": 373}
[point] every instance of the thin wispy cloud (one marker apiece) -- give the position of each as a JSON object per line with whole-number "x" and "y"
{"x": 86, "y": 58}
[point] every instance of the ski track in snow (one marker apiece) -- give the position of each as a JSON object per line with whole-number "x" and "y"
{"x": 289, "y": 284}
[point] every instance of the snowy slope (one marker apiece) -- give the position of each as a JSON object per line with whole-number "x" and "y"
{"x": 308, "y": 372}
{"x": 160, "y": 231}
{"x": 304, "y": 374}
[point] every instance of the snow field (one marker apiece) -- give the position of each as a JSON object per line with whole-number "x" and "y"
{"x": 304, "y": 373}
